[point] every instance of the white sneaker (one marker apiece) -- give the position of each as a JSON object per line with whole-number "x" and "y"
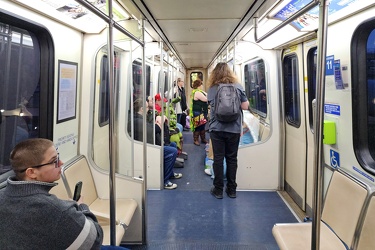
{"x": 170, "y": 185}
{"x": 208, "y": 171}
{"x": 176, "y": 176}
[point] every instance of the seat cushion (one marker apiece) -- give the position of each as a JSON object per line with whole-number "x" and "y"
{"x": 297, "y": 236}
{"x": 120, "y": 231}
{"x": 125, "y": 209}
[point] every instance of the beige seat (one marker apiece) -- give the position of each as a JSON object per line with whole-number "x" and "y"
{"x": 79, "y": 170}
{"x": 366, "y": 238}
{"x": 120, "y": 231}
{"x": 60, "y": 190}
{"x": 342, "y": 208}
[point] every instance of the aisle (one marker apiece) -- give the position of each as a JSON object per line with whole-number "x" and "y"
{"x": 190, "y": 218}
{"x": 194, "y": 177}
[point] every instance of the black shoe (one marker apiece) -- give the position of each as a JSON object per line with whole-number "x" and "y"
{"x": 231, "y": 194}
{"x": 216, "y": 194}
{"x": 178, "y": 164}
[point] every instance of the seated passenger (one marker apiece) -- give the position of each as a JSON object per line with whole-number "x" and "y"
{"x": 158, "y": 103}
{"x": 138, "y": 123}
{"x": 170, "y": 152}
{"x": 31, "y": 217}
{"x": 175, "y": 130}
{"x": 170, "y": 156}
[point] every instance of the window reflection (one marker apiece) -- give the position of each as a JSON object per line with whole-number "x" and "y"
{"x": 256, "y": 87}
{"x": 291, "y": 90}
{"x": 20, "y": 89}
{"x": 370, "y": 70}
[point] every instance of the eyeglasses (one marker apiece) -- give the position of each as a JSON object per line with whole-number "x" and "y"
{"x": 56, "y": 162}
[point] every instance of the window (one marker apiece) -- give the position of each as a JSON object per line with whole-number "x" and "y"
{"x": 311, "y": 72}
{"x": 166, "y": 83}
{"x": 137, "y": 79}
{"x": 370, "y": 78}
{"x": 138, "y": 94}
{"x": 291, "y": 90}
{"x": 26, "y": 82}
{"x": 104, "y": 87}
{"x": 256, "y": 86}
{"x": 363, "y": 94}
{"x": 194, "y": 76}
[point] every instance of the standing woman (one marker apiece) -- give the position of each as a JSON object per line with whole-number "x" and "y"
{"x": 181, "y": 106}
{"x": 198, "y": 106}
{"x": 225, "y": 136}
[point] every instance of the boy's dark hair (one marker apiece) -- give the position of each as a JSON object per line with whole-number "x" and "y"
{"x": 28, "y": 153}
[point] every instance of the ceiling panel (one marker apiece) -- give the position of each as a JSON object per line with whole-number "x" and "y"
{"x": 193, "y": 47}
{"x": 197, "y": 9}
{"x": 197, "y": 29}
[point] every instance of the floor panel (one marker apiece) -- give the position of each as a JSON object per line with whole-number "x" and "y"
{"x": 189, "y": 217}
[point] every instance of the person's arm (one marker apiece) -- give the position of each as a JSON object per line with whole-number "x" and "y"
{"x": 244, "y": 101}
{"x": 77, "y": 227}
{"x": 94, "y": 222}
{"x": 245, "y": 105}
{"x": 200, "y": 96}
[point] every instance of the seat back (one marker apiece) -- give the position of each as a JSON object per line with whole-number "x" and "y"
{"x": 79, "y": 170}
{"x": 366, "y": 238}
{"x": 60, "y": 190}
{"x": 343, "y": 205}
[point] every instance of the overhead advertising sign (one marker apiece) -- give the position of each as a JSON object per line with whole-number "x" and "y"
{"x": 311, "y": 17}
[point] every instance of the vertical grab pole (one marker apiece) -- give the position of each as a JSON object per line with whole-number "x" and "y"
{"x": 161, "y": 90}
{"x": 112, "y": 138}
{"x": 144, "y": 96}
{"x": 318, "y": 160}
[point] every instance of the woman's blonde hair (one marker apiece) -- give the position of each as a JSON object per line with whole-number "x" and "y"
{"x": 222, "y": 74}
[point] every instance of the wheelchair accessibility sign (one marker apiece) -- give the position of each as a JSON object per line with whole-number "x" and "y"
{"x": 335, "y": 159}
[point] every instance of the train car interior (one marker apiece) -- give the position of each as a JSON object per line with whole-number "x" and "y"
{"x": 100, "y": 78}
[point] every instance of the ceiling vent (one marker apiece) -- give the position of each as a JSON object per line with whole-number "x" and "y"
{"x": 198, "y": 29}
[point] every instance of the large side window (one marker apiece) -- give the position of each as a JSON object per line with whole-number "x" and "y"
{"x": 370, "y": 77}
{"x": 256, "y": 86}
{"x": 104, "y": 87}
{"x": 138, "y": 94}
{"x": 137, "y": 79}
{"x": 291, "y": 90}
{"x": 363, "y": 94}
{"x": 26, "y": 83}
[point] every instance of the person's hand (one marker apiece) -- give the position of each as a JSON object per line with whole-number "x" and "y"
{"x": 80, "y": 200}
{"x": 158, "y": 120}
{"x": 165, "y": 119}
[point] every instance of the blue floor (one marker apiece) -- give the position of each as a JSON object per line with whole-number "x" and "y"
{"x": 190, "y": 218}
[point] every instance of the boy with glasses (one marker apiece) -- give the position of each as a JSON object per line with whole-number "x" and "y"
{"x": 30, "y": 217}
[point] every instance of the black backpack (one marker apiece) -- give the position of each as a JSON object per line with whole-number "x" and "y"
{"x": 227, "y": 103}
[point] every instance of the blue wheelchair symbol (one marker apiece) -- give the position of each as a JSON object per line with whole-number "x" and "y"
{"x": 335, "y": 159}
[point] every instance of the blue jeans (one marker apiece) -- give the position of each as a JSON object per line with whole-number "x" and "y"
{"x": 179, "y": 118}
{"x": 170, "y": 155}
{"x": 225, "y": 144}
{"x": 180, "y": 128}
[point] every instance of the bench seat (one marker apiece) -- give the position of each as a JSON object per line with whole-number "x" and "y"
{"x": 367, "y": 238}
{"x": 125, "y": 209}
{"x": 79, "y": 170}
{"x": 297, "y": 236}
{"x": 342, "y": 210}
{"x": 120, "y": 231}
